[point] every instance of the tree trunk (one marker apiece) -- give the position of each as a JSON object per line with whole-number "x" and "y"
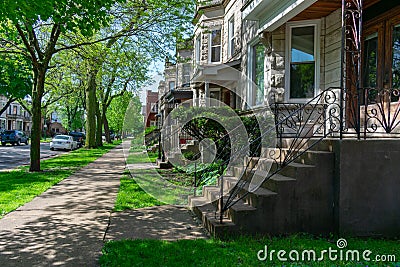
{"x": 36, "y": 131}
{"x": 69, "y": 118}
{"x": 91, "y": 104}
{"x": 105, "y": 123}
{"x": 9, "y": 101}
{"x": 99, "y": 129}
{"x": 106, "y": 129}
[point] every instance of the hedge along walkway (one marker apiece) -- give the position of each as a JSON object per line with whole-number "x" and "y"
{"x": 66, "y": 224}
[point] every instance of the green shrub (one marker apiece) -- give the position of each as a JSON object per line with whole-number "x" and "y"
{"x": 150, "y": 129}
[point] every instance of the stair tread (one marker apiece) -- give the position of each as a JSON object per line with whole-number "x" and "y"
{"x": 242, "y": 206}
{"x": 207, "y": 207}
{"x": 293, "y": 164}
{"x": 198, "y": 201}
{"x": 208, "y": 211}
{"x": 280, "y": 177}
{"x": 300, "y": 165}
{"x": 306, "y": 150}
{"x": 259, "y": 191}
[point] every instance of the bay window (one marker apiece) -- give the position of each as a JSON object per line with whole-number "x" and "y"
{"x": 256, "y": 73}
{"x": 215, "y": 46}
{"x": 231, "y": 37}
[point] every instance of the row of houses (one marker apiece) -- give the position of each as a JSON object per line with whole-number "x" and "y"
{"x": 15, "y": 117}
{"x": 278, "y": 51}
{"x": 329, "y": 71}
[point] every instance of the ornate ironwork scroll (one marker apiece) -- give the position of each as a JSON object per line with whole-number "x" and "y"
{"x": 351, "y": 66}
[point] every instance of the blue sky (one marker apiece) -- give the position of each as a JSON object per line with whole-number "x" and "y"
{"x": 156, "y": 70}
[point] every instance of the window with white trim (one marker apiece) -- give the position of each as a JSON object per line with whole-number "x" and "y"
{"x": 256, "y": 69}
{"x": 171, "y": 85}
{"x": 215, "y": 46}
{"x": 302, "y": 68}
{"x": 186, "y": 75}
{"x": 198, "y": 48}
{"x": 215, "y": 93}
{"x": 231, "y": 36}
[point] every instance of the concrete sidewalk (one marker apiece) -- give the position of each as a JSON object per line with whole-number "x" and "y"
{"x": 64, "y": 226}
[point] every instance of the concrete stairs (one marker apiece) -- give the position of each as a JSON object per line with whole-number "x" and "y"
{"x": 298, "y": 198}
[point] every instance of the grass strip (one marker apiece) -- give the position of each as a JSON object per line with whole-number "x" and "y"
{"x": 132, "y": 196}
{"x": 142, "y": 157}
{"x": 241, "y": 251}
{"x": 20, "y": 186}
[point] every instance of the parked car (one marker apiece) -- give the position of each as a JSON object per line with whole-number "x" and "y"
{"x": 78, "y": 137}
{"x": 63, "y": 142}
{"x": 14, "y": 137}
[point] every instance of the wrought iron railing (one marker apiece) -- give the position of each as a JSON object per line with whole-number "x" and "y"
{"x": 152, "y": 137}
{"x": 368, "y": 113}
{"x": 304, "y": 124}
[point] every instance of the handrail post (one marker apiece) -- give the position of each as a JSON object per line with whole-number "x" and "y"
{"x": 221, "y": 200}
{"x": 195, "y": 178}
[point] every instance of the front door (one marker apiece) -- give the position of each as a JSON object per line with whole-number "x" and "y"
{"x": 381, "y": 72}
{"x": 381, "y": 57}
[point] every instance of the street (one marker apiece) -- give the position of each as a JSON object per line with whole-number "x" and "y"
{"x": 14, "y": 156}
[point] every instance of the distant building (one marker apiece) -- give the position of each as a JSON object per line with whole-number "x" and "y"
{"x": 151, "y": 108}
{"x": 15, "y": 117}
{"x": 57, "y": 128}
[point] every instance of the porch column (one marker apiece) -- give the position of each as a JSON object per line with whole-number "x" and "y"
{"x": 207, "y": 93}
{"x": 351, "y": 66}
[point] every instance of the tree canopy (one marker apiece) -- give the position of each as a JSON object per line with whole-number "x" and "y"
{"x": 38, "y": 31}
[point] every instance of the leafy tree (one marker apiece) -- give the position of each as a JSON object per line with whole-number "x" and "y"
{"x": 15, "y": 78}
{"x": 153, "y": 28}
{"x": 40, "y": 30}
{"x": 117, "y": 111}
{"x": 122, "y": 74}
{"x": 133, "y": 122}
{"x": 33, "y": 29}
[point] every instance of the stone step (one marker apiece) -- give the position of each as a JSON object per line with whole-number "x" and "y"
{"x": 255, "y": 198}
{"x": 240, "y": 212}
{"x": 288, "y": 202}
{"x": 294, "y": 169}
{"x": 211, "y": 193}
{"x": 305, "y": 157}
{"x": 291, "y": 170}
{"x": 314, "y": 143}
{"x": 279, "y": 184}
{"x": 301, "y": 156}
{"x": 206, "y": 212}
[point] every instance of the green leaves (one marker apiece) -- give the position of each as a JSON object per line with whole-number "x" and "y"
{"x": 84, "y": 16}
{"x": 15, "y": 76}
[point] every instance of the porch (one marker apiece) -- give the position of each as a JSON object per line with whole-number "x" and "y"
{"x": 334, "y": 168}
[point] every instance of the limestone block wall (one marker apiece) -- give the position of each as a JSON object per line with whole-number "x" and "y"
{"x": 275, "y": 57}
{"x": 249, "y": 33}
{"x": 275, "y": 68}
{"x": 208, "y": 20}
{"x": 232, "y": 10}
{"x": 332, "y": 52}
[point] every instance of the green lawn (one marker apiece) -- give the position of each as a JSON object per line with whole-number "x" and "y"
{"x": 140, "y": 157}
{"x": 21, "y": 186}
{"x": 131, "y": 196}
{"x": 238, "y": 252}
